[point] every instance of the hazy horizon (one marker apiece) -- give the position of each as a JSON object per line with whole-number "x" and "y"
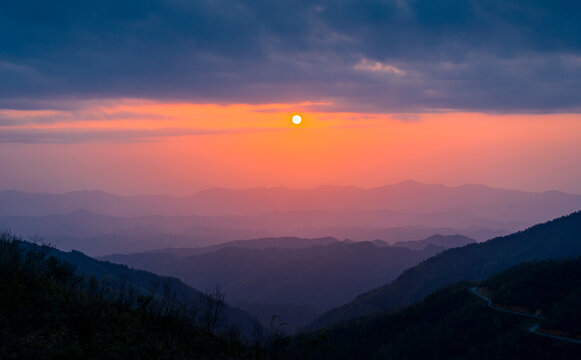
{"x": 271, "y": 187}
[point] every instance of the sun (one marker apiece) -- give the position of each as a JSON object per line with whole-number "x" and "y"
{"x": 297, "y": 119}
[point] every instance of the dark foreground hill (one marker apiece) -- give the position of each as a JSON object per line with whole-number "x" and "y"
{"x": 143, "y": 283}
{"x": 555, "y": 239}
{"x": 49, "y": 311}
{"x": 453, "y": 323}
{"x": 551, "y": 289}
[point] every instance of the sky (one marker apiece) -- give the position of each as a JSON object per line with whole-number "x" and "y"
{"x": 175, "y": 96}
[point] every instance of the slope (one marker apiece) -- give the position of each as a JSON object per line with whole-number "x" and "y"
{"x": 47, "y": 311}
{"x": 558, "y": 238}
{"x": 145, "y": 283}
{"x": 319, "y": 276}
{"x": 452, "y": 323}
{"x": 446, "y": 241}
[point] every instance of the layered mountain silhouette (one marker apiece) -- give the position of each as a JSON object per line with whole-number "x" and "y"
{"x": 286, "y": 242}
{"x": 532, "y": 302}
{"x": 535, "y": 312}
{"x": 446, "y": 241}
{"x": 559, "y": 238}
{"x": 143, "y": 282}
{"x": 104, "y": 234}
{"x": 407, "y": 196}
{"x": 283, "y": 274}
{"x": 48, "y": 310}
{"x": 99, "y": 223}
{"x": 98, "y": 234}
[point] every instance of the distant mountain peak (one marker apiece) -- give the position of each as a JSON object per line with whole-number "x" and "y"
{"x": 409, "y": 182}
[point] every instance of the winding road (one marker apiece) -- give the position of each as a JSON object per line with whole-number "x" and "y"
{"x": 534, "y": 329}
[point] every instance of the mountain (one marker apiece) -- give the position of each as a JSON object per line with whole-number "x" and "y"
{"x": 41, "y": 204}
{"x": 400, "y": 199}
{"x": 445, "y": 241}
{"x": 287, "y": 242}
{"x": 50, "y": 311}
{"x": 100, "y": 223}
{"x": 317, "y": 277}
{"x": 393, "y": 234}
{"x": 555, "y": 239}
{"x": 83, "y": 222}
{"x": 550, "y": 289}
{"x": 530, "y": 301}
{"x": 142, "y": 282}
{"x": 99, "y": 235}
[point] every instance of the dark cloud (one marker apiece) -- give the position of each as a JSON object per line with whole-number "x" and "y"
{"x": 496, "y": 56}
{"x": 74, "y": 136}
{"x": 10, "y": 120}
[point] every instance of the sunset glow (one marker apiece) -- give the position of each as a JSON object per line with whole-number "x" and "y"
{"x": 171, "y": 106}
{"x": 168, "y": 143}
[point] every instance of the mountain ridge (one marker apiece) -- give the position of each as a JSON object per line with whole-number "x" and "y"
{"x": 557, "y": 238}
{"x": 265, "y": 199}
{"x": 318, "y": 277}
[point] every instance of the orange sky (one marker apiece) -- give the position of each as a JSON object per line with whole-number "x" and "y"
{"x": 133, "y": 146}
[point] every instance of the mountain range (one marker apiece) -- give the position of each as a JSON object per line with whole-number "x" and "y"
{"x": 559, "y": 238}
{"x": 98, "y": 223}
{"x": 145, "y": 283}
{"x": 408, "y": 196}
{"x": 422, "y": 302}
{"x": 531, "y": 304}
{"x": 284, "y": 274}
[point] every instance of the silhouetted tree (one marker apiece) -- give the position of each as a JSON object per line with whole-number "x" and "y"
{"x": 212, "y": 312}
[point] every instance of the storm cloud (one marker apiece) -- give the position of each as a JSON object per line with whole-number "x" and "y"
{"x": 373, "y": 56}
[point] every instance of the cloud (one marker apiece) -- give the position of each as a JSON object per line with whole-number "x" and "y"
{"x": 366, "y": 65}
{"x": 509, "y": 56}
{"x": 407, "y": 117}
{"x": 44, "y": 117}
{"x": 80, "y": 135}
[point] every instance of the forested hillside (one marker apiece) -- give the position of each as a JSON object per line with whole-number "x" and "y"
{"x": 48, "y": 311}
{"x": 559, "y": 238}
{"x": 454, "y": 323}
